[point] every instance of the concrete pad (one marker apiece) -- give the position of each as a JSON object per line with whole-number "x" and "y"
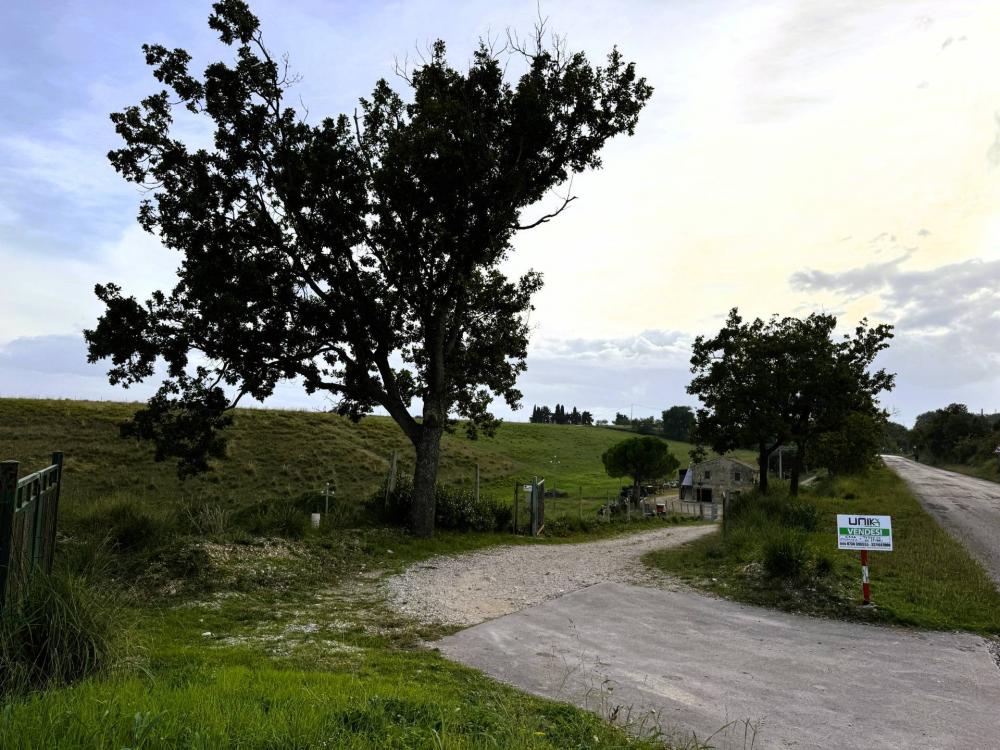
{"x": 689, "y": 663}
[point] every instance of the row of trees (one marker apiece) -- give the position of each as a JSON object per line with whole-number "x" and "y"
{"x": 675, "y": 423}
{"x": 768, "y": 383}
{"x": 559, "y": 415}
{"x": 955, "y": 435}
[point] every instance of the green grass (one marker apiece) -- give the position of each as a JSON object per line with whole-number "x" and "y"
{"x": 295, "y": 647}
{"x": 928, "y": 581}
{"x": 283, "y": 640}
{"x": 983, "y": 470}
{"x": 285, "y": 452}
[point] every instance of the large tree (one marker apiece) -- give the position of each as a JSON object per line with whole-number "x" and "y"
{"x": 360, "y": 255}
{"x": 742, "y": 379}
{"x": 788, "y": 379}
{"x": 831, "y": 380}
{"x": 641, "y": 458}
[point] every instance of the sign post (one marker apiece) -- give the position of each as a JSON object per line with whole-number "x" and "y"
{"x": 864, "y": 533}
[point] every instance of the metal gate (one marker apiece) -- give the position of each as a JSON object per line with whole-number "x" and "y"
{"x": 29, "y": 508}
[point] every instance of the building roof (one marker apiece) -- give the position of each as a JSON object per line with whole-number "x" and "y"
{"x": 728, "y": 459}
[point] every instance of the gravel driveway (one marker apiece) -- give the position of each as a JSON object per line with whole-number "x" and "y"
{"x": 967, "y": 507}
{"x": 471, "y": 588}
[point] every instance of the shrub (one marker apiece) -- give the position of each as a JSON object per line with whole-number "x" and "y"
{"x": 282, "y": 517}
{"x": 802, "y": 515}
{"x": 785, "y": 554}
{"x": 823, "y": 565}
{"x": 61, "y": 631}
{"x": 454, "y": 509}
{"x": 567, "y": 525}
{"x": 126, "y": 526}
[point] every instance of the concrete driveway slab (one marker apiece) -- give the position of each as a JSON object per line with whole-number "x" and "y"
{"x": 688, "y": 663}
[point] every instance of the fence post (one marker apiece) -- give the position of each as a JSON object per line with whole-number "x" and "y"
{"x": 8, "y": 496}
{"x": 477, "y": 484}
{"x": 516, "y": 497}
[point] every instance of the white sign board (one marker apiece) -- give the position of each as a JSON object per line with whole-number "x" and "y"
{"x": 864, "y": 532}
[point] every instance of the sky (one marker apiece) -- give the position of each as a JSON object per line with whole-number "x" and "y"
{"x": 839, "y": 156}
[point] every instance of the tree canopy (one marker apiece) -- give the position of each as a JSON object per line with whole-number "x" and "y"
{"x": 678, "y": 421}
{"x": 956, "y": 435}
{"x": 359, "y": 255}
{"x": 641, "y": 458}
{"x": 766, "y": 383}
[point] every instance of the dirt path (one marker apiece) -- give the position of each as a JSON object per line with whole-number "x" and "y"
{"x": 469, "y": 589}
{"x": 969, "y": 508}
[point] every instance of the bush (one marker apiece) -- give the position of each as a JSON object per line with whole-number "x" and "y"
{"x": 802, "y": 515}
{"x": 454, "y": 509}
{"x": 282, "y": 517}
{"x": 785, "y": 554}
{"x": 823, "y": 565}
{"x": 568, "y": 525}
{"x": 125, "y": 525}
{"x": 61, "y": 631}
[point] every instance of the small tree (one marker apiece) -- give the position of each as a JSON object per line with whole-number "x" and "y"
{"x": 642, "y": 458}
{"x": 361, "y": 256}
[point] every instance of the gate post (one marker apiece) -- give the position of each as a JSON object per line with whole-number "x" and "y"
{"x": 8, "y": 496}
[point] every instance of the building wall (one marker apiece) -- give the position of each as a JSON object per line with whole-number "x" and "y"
{"x": 722, "y": 476}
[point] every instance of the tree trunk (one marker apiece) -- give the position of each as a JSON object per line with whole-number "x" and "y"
{"x": 762, "y": 460}
{"x": 425, "y": 481}
{"x": 793, "y": 488}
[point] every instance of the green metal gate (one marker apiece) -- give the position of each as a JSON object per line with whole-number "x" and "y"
{"x": 28, "y": 511}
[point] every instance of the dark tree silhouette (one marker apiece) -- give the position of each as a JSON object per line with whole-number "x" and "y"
{"x": 360, "y": 255}
{"x": 765, "y": 383}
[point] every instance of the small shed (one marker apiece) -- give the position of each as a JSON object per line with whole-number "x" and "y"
{"x": 719, "y": 479}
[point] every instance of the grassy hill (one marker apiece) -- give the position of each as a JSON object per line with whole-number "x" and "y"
{"x": 274, "y": 453}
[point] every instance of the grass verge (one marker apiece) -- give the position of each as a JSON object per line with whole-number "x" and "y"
{"x": 277, "y": 643}
{"x": 789, "y": 560}
{"x": 984, "y": 470}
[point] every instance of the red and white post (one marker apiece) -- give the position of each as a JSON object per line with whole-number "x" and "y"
{"x": 866, "y": 591}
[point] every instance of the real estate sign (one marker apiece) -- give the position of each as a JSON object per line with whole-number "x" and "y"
{"x": 864, "y": 532}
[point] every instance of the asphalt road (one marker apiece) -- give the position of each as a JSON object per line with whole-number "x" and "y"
{"x": 967, "y": 507}
{"x": 687, "y": 663}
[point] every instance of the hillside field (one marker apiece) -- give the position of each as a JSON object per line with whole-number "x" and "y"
{"x": 290, "y": 453}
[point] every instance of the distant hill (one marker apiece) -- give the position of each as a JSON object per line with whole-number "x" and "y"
{"x": 274, "y": 452}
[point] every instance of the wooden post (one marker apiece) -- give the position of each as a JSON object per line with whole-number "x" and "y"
{"x": 581, "y": 502}
{"x": 57, "y": 460}
{"x": 516, "y": 503}
{"x": 8, "y": 496}
{"x": 477, "y": 484}
{"x": 390, "y": 480}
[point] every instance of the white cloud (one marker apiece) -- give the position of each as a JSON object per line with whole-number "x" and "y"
{"x": 56, "y": 295}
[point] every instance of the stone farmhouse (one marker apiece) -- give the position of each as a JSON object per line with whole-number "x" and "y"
{"x": 717, "y": 480}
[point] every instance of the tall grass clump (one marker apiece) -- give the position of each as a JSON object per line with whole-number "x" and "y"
{"x": 62, "y": 630}
{"x": 785, "y": 553}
